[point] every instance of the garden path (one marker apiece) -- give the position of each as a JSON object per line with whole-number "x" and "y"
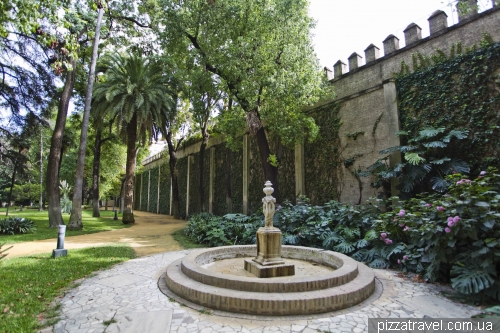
{"x": 150, "y": 234}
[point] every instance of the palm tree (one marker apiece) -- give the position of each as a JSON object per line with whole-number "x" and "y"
{"x": 135, "y": 91}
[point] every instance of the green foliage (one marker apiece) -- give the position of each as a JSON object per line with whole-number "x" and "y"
{"x": 323, "y": 158}
{"x": 269, "y": 67}
{"x": 229, "y": 229}
{"x": 425, "y": 161}
{"x": 165, "y": 181}
{"x": 452, "y": 237}
{"x": 153, "y": 191}
{"x": 16, "y": 225}
{"x": 273, "y": 160}
{"x": 459, "y": 92}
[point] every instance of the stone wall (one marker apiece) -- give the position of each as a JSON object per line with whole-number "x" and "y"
{"x": 368, "y": 112}
{"x": 367, "y": 91}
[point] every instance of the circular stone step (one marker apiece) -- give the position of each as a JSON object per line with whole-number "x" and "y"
{"x": 346, "y": 269}
{"x": 340, "y": 296}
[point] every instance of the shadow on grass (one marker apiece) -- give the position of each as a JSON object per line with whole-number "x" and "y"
{"x": 28, "y": 285}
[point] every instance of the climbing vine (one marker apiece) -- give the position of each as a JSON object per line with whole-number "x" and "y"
{"x": 165, "y": 182}
{"x": 137, "y": 191}
{"x": 153, "y": 191}
{"x": 322, "y": 157}
{"x": 144, "y": 191}
{"x": 458, "y": 93}
{"x": 182, "y": 168}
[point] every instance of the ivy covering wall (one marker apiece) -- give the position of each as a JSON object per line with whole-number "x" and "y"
{"x": 153, "y": 191}
{"x": 182, "y": 168}
{"x": 459, "y": 93}
{"x": 194, "y": 181}
{"x": 256, "y": 178}
{"x": 165, "y": 183}
{"x": 144, "y": 191}
{"x": 322, "y": 157}
{"x": 137, "y": 191}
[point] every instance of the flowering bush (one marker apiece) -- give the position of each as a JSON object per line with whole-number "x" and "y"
{"x": 459, "y": 240}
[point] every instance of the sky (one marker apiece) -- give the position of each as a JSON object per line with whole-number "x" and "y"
{"x": 347, "y": 26}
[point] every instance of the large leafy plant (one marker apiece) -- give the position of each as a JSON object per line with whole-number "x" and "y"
{"x": 453, "y": 237}
{"x": 424, "y": 162}
{"x": 16, "y": 225}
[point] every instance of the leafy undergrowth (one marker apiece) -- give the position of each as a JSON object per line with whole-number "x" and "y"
{"x": 29, "y": 285}
{"x": 90, "y": 225}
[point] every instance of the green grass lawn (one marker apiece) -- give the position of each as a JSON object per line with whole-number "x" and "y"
{"x": 41, "y": 219}
{"x": 184, "y": 241}
{"x": 28, "y": 285}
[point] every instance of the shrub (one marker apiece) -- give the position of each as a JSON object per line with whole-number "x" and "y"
{"x": 453, "y": 237}
{"x": 16, "y": 225}
{"x": 229, "y": 229}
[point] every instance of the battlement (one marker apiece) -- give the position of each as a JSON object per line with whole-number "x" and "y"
{"x": 438, "y": 25}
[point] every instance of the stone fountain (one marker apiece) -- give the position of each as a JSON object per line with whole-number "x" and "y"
{"x": 268, "y": 278}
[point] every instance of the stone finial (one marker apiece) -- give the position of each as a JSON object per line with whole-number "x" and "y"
{"x": 268, "y": 204}
{"x": 372, "y": 53}
{"x": 466, "y": 9}
{"x": 339, "y": 68}
{"x": 328, "y": 73}
{"x": 438, "y": 21}
{"x": 354, "y": 61}
{"x": 413, "y": 33}
{"x": 391, "y": 44}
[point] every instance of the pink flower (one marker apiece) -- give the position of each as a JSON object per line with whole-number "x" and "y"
{"x": 399, "y": 262}
{"x": 300, "y": 234}
{"x": 447, "y": 230}
{"x": 451, "y": 223}
{"x": 405, "y": 257}
{"x": 401, "y": 225}
{"x": 395, "y": 220}
{"x": 383, "y": 235}
{"x": 387, "y": 241}
{"x": 428, "y": 205}
{"x": 401, "y": 213}
{"x": 406, "y": 228}
{"x": 456, "y": 219}
{"x": 440, "y": 208}
{"x": 482, "y": 173}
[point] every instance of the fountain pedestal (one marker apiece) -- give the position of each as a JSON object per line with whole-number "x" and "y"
{"x": 268, "y": 262}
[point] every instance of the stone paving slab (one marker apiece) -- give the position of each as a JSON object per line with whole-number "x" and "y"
{"x": 93, "y": 305}
{"x": 133, "y": 322}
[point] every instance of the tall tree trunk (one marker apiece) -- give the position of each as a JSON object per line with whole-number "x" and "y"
{"x": 201, "y": 168}
{"x": 52, "y": 187}
{"x": 122, "y": 197}
{"x": 40, "y": 204}
{"x": 95, "y": 175}
{"x": 128, "y": 215}
{"x": 270, "y": 172}
{"x": 75, "y": 220}
{"x": 13, "y": 179}
{"x": 174, "y": 176}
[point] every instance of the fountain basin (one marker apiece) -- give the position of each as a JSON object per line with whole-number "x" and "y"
{"x": 341, "y": 282}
